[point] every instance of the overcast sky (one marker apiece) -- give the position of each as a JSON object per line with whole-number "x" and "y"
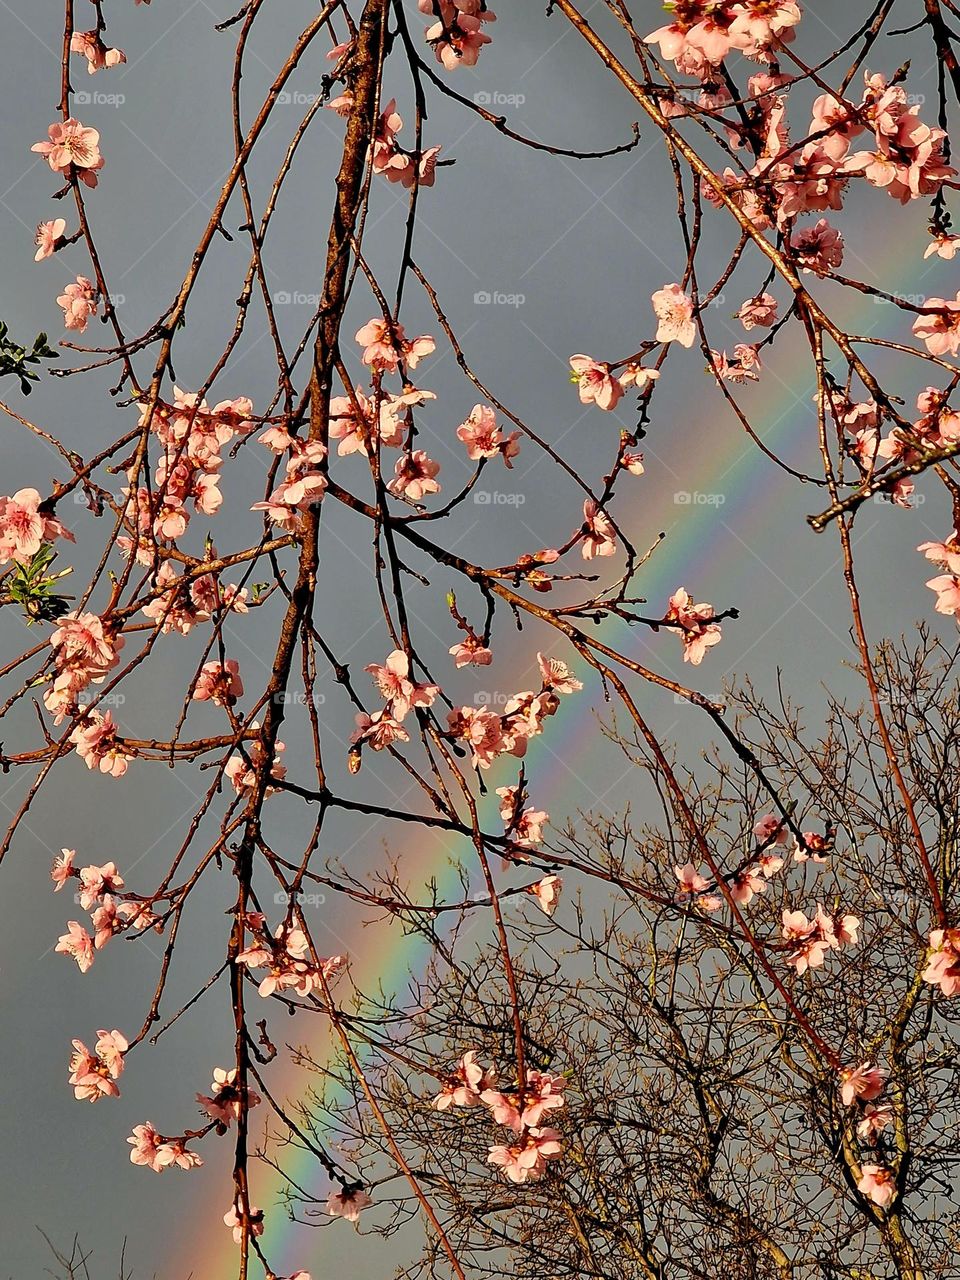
{"x": 534, "y": 258}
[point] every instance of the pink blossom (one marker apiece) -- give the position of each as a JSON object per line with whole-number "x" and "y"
{"x": 78, "y": 944}
{"x": 943, "y": 961}
{"x": 219, "y": 683}
{"x": 414, "y": 476}
{"x": 696, "y": 40}
{"x": 97, "y": 744}
{"x": 547, "y": 893}
{"x": 691, "y": 881}
{"x": 62, "y": 869}
{"x": 464, "y": 1086}
{"x": 542, "y": 1093}
{"x": 944, "y": 246}
{"x": 819, "y": 248}
{"x": 73, "y": 150}
{"x": 761, "y": 24}
{"x": 149, "y": 1149}
{"x": 746, "y": 884}
{"x": 181, "y": 1156}
{"x": 557, "y": 675}
{"x": 877, "y": 1184}
{"x": 471, "y": 652}
{"x": 525, "y": 828}
{"x": 96, "y": 881}
{"x": 939, "y": 326}
{"x": 760, "y": 310}
{"x": 243, "y": 775}
{"x": 674, "y": 312}
{"x": 385, "y": 346}
{"x": 599, "y": 536}
{"x": 93, "y": 1075}
{"x": 79, "y": 302}
{"x": 484, "y": 439}
{"x": 25, "y": 526}
{"x": 348, "y": 1203}
{"x": 770, "y": 830}
{"x": 379, "y": 730}
{"x": 106, "y": 921}
{"x": 866, "y": 1081}
{"x": 48, "y": 233}
{"x": 402, "y": 693}
{"x": 458, "y": 43}
{"x": 224, "y": 1104}
{"x": 697, "y": 631}
{"x": 234, "y": 1218}
{"x": 595, "y": 382}
{"x": 91, "y": 47}
{"x": 875, "y": 1120}
{"x": 527, "y": 1161}
{"x": 807, "y": 944}
{"x": 636, "y": 375}
{"x": 947, "y": 587}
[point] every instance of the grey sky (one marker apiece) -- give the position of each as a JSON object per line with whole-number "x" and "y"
{"x": 578, "y": 246}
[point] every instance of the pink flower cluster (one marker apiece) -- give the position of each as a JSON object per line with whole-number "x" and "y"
{"x": 808, "y": 941}
{"x": 242, "y": 772}
{"x": 906, "y": 159}
{"x": 303, "y": 485}
{"x": 522, "y": 1111}
{"x": 219, "y": 683}
{"x": 94, "y": 1075}
{"x": 523, "y": 826}
{"x": 457, "y": 37}
{"x": 287, "y": 955}
{"x": 489, "y": 734}
{"x": 192, "y": 436}
{"x": 353, "y": 423}
{"x": 155, "y": 1152}
{"x": 597, "y": 385}
{"x": 84, "y": 651}
{"x": 390, "y": 159}
{"x": 224, "y": 1101}
{"x": 90, "y": 45}
{"x": 180, "y": 604}
{"x": 401, "y": 693}
{"x": 79, "y": 302}
{"x": 703, "y": 32}
{"x": 99, "y": 894}
{"x": 484, "y": 439}
{"x": 694, "y": 622}
{"x": 25, "y": 527}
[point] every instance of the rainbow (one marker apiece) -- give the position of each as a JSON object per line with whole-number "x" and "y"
{"x": 729, "y": 459}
